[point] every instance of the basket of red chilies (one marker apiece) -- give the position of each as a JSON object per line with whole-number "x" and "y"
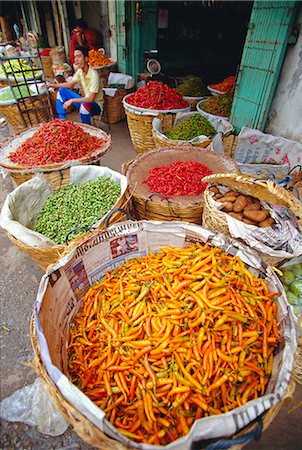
{"x": 51, "y": 149}
{"x": 156, "y": 99}
{"x": 166, "y": 182}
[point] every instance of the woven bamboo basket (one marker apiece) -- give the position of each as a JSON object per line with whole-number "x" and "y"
{"x": 4, "y": 83}
{"x": 92, "y": 435}
{"x": 31, "y": 117}
{"x": 104, "y": 72}
{"x": 46, "y": 256}
{"x": 161, "y": 142}
{"x": 194, "y": 100}
{"x": 152, "y": 206}
{"x": 47, "y": 66}
{"x": 268, "y": 191}
{"x": 57, "y": 174}
{"x": 113, "y": 106}
{"x": 140, "y": 125}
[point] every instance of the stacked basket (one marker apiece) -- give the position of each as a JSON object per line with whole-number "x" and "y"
{"x": 26, "y": 113}
{"x": 113, "y": 106}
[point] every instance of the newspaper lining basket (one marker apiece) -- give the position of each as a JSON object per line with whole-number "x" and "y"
{"x": 152, "y": 206}
{"x": 269, "y": 191}
{"x": 83, "y": 426}
{"x": 90, "y": 434}
{"x": 56, "y": 174}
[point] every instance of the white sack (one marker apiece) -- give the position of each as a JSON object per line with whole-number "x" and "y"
{"x": 222, "y": 127}
{"x": 22, "y": 206}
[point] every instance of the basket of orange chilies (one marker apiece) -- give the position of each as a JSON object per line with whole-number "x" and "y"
{"x": 102, "y": 63}
{"x": 162, "y": 335}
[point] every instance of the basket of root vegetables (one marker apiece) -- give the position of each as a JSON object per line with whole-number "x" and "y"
{"x": 260, "y": 212}
{"x": 152, "y": 334}
{"x": 44, "y": 222}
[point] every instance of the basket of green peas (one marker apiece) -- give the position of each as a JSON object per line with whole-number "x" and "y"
{"x": 45, "y": 222}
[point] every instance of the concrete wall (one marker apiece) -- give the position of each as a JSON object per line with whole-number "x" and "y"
{"x": 285, "y": 116}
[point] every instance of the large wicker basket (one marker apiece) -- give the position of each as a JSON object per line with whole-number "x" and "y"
{"x": 140, "y": 125}
{"x": 20, "y": 121}
{"x": 160, "y": 140}
{"x": 56, "y": 174}
{"x": 113, "y": 106}
{"x": 48, "y": 255}
{"x": 269, "y": 191}
{"x": 152, "y": 206}
{"x": 47, "y": 66}
{"x": 104, "y": 72}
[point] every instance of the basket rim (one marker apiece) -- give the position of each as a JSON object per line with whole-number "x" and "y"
{"x": 137, "y": 110}
{"x": 213, "y": 116}
{"x": 190, "y": 200}
{"x": 95, "y": 153}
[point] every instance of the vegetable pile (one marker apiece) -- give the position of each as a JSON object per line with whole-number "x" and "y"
{"x": 179, "y": 178}
{"x": 76, "y": 206}
{"x": 194, "y": 126}
{"x": 157, "y": 95}
{"x": 193, "y": 87}
{"x": 173, "y": 337}
{"x": 98, "y": 58}
{"x": 55, "y": 142}
{"x": 18, "y": 67}
{"x": 221, "y": 105}
{"x": 242, "y": 207}
{"x": 224, "y": 85}
{"x": 20, "y": 92}
{"x": 292, "y": 283}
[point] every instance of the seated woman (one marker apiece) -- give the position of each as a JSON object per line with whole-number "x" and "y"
{"x": 92, "y": 102}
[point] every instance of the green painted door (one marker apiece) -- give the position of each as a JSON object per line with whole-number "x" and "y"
{"x": 141, "y": 33}
{"x": 120, "y": 34}
{"x": 263, "y": 54}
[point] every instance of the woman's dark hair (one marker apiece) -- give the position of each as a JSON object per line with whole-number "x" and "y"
{"x": 82, "y": 49}
{"x": 81, "y": 23}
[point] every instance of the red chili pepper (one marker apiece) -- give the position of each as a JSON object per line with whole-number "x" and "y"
{"x": 156, "y": 95}
{"x": 56, "y": 141}
{"x": 179, "y": 178}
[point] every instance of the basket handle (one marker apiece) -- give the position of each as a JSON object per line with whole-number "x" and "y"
{"x": 163, "y": 197}
{"x": 74, "y": 230}
{"x": 114, "y": 210}
{"x": 224, "y": 444}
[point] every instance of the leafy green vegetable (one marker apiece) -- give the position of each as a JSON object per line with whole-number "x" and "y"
{"x": 20, "y": 92}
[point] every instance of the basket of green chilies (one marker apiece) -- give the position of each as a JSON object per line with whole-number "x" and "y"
{"x": 190, "y": 128}
{"x": 45, "y": 222}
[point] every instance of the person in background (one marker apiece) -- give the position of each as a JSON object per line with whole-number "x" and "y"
{"x": 76, "y": 39}
{"x": 92, "y": 102}
{"x": 92, "y": 37}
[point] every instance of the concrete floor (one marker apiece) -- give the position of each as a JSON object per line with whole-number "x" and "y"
{"x": 19, "y": 282}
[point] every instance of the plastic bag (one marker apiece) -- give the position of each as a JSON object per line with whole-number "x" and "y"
{"x": 32, "y": 406}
